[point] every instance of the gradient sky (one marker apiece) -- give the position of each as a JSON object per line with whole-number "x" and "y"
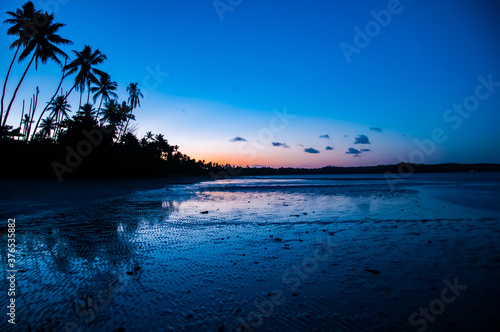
{"x": 228, "y": 78}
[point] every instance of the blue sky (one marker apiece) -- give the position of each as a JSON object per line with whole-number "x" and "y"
{"x": 228, "y": 78}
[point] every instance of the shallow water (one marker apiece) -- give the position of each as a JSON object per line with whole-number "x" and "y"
{"x": 313, "y": 253}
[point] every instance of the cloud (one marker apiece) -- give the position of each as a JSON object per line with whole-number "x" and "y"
{"x": 325, "y": 136}
{"x": 280, "y": 144}
{"x": 353, "y": 151}
{"x": 377, "y": 129}
{"x": 345, "y": 136}
{"x": 365, "y": 150}
{"x": 329, "y": 148}
{"x": 300, "y": 144}
{"x": 361, "y": 139}
{"x": 238, "y": 139}
{"x": 311, "y": 150}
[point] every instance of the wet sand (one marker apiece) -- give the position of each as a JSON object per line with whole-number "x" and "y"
{"x": 27, "y": 196}
{"x": 265, "y": 255}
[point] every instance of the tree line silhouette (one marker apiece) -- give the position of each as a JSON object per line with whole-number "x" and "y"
{"x": 43, "y": 140}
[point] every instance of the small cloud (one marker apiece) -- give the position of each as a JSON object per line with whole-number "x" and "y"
{"x": 345, "y": 136}
{"x": 300, "y": 145}
{"x": 325, "y": 136}
{"x": 237, "y": 139}
{"x": 353, "y": 151}
{"x": 365, "y": 150}
{"x": 329, "y": 148}
{"x": 311, "y": 150}
{"x": 377, "y": 129}
{"x": 362, "y": 139}
{"x": 281, "y": 144}
{"x": 259, "y": 166}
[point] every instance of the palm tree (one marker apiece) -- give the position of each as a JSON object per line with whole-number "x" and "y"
{"x": 112, "y": 113}
{"x": 60, "y": 108}
{"x": 134, "y": 93}
{"x": 149, "y": 136}
{"x": 86, "y": 111}
{"x": 84, "y": 64}
{"x": 134, "y": 99}
{"x": 43, "y": 46}
{"x": 46, "y": 127}
{"x": 19, "y": 21}
{"x": 105, "y": 88}
{"x": 126, "y": 111}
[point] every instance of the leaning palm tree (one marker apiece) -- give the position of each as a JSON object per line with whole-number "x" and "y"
{"x": 104, "y": 88}
{"x": 134, "y": 99}
{"x": 20, "y": 20}
{"x": 46, "y": 127}
{"x": 85, "y": 64}
{"x": 60, "y": 108}
{"x": 43, "y": 46}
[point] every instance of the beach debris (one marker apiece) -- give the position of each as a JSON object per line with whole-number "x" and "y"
{"x": 204, "y": 212}
{"x": 129, "y": 273}
{"x": 323, "y": 230}
{"x": 137, "y": 268}
{"x": 305, "y": 213}
{"x": 372, "y": 271}
{"x": 332, "y": 233}
{"x": 221, "y": 328}
{"x": 271, "y": 235}
{"x": 295, "y": 215}
{"x": 278, "y": 239}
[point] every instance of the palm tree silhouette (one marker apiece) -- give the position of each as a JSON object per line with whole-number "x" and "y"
{"x": 126, "y": 110}
{"x": 134, "y": 100}
{"x": 46, "y": 127}
{"x": 84, "y": 64}
{"x": 86, "y": 111}
{"x": 112, "y": 113}
{"x": 20, "y": 21}
{"x": 43, "y": 46}
{"x": 104, "y": 88}
{"x": 149, "y": 136}
{"x": 60, "y": 108}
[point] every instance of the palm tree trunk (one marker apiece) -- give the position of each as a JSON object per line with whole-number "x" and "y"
{"x": 32, "y": 115}
{"x": 99, "y": 109}
{"x": 17, "y": 88}
{"x": 21, "y": 122}
{"x": 6, "y": 79}
{"x": 51, "y": 99}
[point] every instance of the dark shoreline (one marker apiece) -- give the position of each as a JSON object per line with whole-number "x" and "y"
{"x": 16, "y": 194}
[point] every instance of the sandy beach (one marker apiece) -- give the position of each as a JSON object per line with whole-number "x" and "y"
{"x": 263, "y": 254}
